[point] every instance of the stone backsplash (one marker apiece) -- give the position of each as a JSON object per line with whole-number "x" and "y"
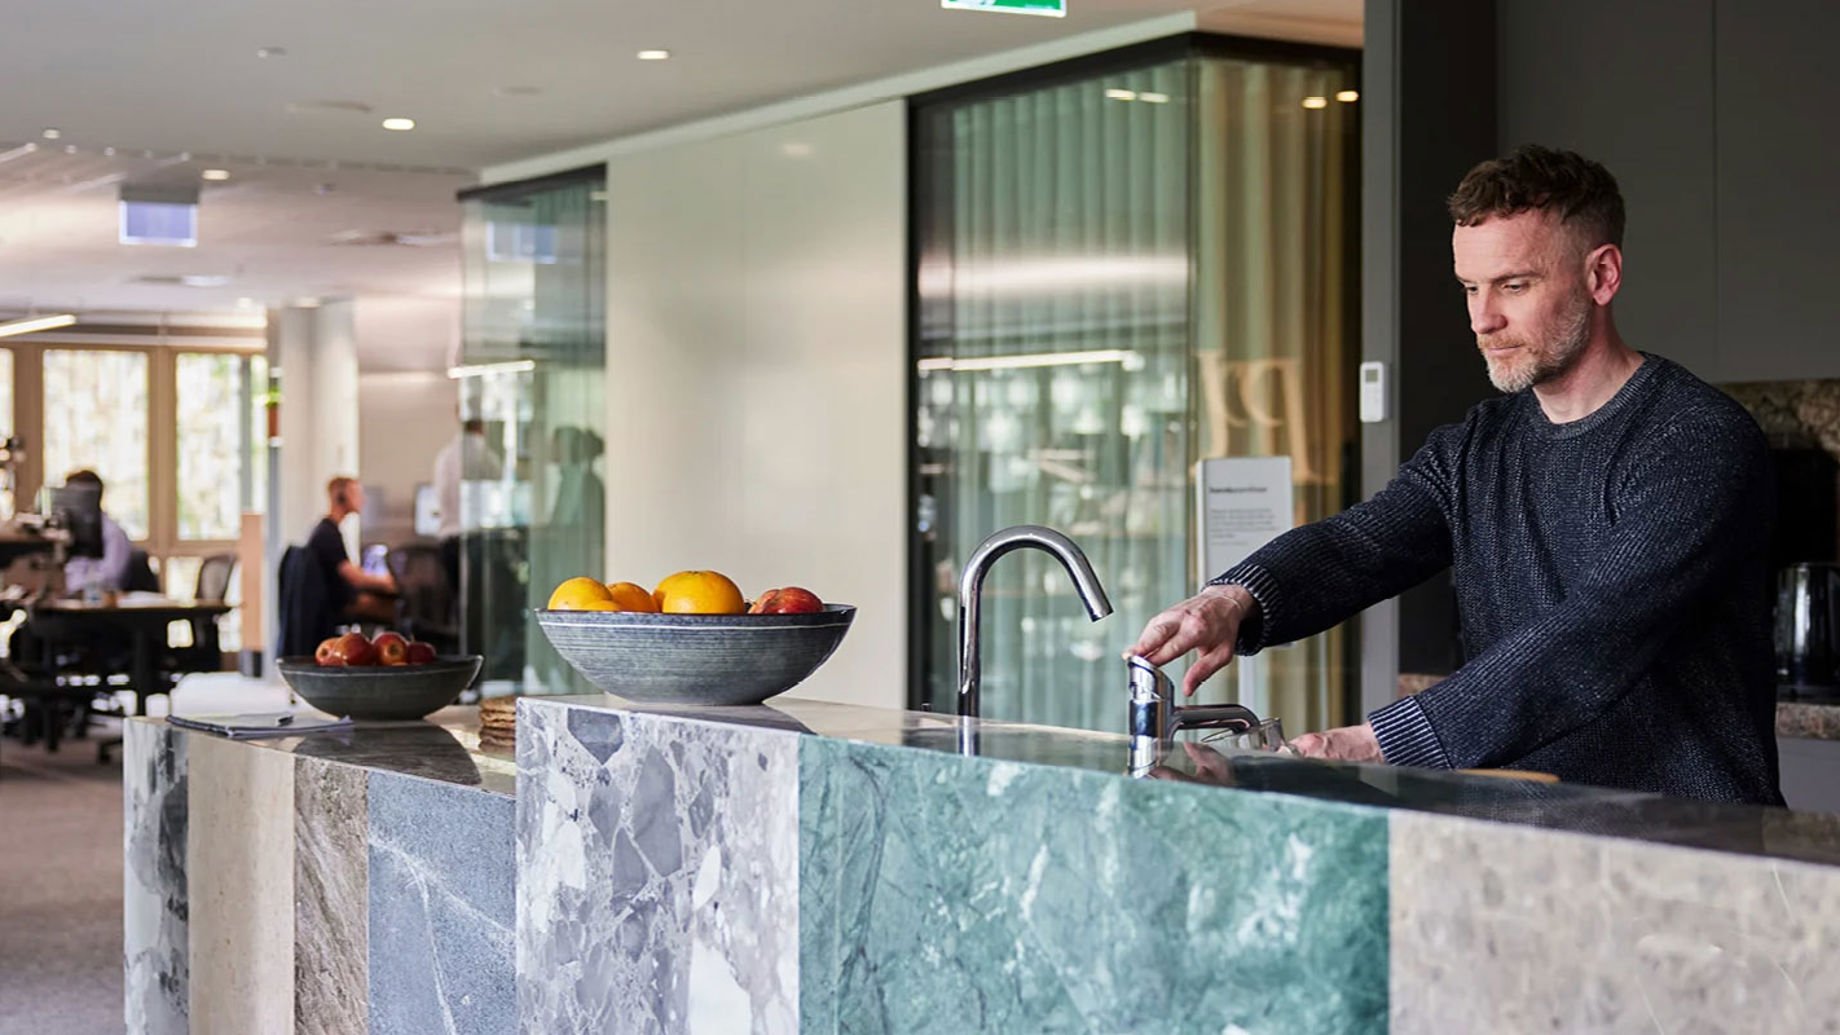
{"x": 1794, "y": 414}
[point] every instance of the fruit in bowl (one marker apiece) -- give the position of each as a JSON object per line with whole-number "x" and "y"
{"x": 389, "y": 649}
{"x": 791, "y": 600}
{"x": 699, "y": 593}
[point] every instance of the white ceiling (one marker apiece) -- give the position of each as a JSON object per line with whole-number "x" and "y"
{"x": 185, "y": 77}
{"x": 270, "y": 229}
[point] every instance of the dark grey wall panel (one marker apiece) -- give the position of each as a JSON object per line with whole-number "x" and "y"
{"x": 1630, "y": 84}
{"x": 1778, "y": 189}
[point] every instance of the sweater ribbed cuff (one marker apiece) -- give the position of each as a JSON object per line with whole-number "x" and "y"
{"x": 1263, "y": 589}
{"x": 1406, "y": 736}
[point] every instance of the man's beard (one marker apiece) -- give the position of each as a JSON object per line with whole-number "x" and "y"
{"x": 1547, "y": 361}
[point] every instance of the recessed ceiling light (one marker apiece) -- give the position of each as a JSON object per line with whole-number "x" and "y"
{"x": 70, "y": 149}
{"x": 52, "y": 133}
{"x": 1153, "y": 98}
{"x": 305, "y": 302}
{"x": 109, "y": 152}
{"x": 1348, "y": 96}
{"x": 245, "y": 303}
{"x": 654, "y": 55}
{"x": 1314, "y": 103}
{"x": 795, "y": 149}
{"x": 217, "y": 175}
{"x": 518, "y": 91}
{"x": 1121, "y": 95}
{"x": 204, "y": 280}
{"x": 400, "y": 125}
{"x": 271, "y": 52}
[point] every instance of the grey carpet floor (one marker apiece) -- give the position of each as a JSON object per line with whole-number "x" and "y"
{"x": 60, "y": 891}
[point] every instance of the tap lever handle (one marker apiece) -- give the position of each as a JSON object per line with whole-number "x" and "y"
{"x": 1148, "y": 683}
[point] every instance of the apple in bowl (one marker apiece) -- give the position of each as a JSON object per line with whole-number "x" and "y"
{"x": 789, "y": 600}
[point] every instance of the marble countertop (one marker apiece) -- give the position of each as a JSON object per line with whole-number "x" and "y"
{"x": 1770, "y": 832}
{"x": 444, "y": 747}
{"x": 1809, "y": 720}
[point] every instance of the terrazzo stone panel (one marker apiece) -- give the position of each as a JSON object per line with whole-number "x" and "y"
{"x": 658, "y": 865}
{"x": 331, "y": 896}
{"x": 154, "y": 898}
{"x": 240, "y": 881}
{"x": 1504, "y": 928}
{"x": 949, "y": 894}
{"x": 442, "y": 908}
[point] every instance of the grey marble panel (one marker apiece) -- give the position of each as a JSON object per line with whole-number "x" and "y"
{"x": 659, "y": 862}
{"x": 330, "y": 898}
{"x": 154, "y": 902}
{"x": 442, "y": 908}
{"x": 1502, "y": 928}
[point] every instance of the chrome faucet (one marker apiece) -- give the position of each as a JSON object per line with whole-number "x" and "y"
{"x": 971, "y": 591}
{"x": 1156, "y": 718}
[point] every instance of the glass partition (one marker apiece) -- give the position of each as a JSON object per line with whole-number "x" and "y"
{"x": 532, "y": 368}
{"x": 1123, "y": 266}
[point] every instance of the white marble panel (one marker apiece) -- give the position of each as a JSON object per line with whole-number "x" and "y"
{"x": 154, "y": 904}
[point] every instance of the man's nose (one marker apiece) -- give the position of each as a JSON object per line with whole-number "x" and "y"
{"x": 1484, "y": 318}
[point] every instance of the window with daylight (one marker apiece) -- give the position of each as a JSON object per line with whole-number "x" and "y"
{"x": 96, "y": 418}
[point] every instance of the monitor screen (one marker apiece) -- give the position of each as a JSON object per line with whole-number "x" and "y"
{"x": 79, "y": 507}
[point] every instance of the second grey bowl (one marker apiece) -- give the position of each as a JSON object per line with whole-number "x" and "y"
{"x": 695, "y": 659}
{"x": 381, "y": 691}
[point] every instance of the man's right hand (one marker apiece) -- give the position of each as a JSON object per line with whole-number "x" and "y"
{"x": 1209, "y": 621}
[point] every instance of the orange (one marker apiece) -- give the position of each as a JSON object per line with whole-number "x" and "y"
{"x": 630, "y": 596}
{"x": 581, "y": 594}
{"x": 699, "y": 593}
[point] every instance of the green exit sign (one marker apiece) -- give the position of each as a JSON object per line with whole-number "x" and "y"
{"x": 1051, "y": 8}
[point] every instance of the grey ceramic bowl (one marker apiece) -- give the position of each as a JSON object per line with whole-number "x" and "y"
{"x": 695, "y": 659}
{"x": 381, "y": 691}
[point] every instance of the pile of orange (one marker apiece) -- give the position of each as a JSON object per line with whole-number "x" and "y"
{"x": 685, "y": 593}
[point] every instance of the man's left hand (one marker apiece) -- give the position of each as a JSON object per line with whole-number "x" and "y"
{"x": 1346, "y": 744}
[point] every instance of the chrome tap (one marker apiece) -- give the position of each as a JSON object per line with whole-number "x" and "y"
{"x": 971, "y": 590}
{"x": 1156, "y": 718}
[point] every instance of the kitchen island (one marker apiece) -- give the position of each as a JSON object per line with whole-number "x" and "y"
{"x": 818, "y": 867}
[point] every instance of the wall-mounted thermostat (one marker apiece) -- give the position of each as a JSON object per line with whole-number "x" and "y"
{"x": 1373, "y": 392}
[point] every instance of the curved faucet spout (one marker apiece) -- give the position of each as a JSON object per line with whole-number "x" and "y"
{"x": 971, "y": 590}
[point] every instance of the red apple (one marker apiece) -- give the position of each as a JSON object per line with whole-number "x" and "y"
{"x": 792, "y": 600}
{"x": 420, "y": 653}
{"x": 328, "y": 653}
{"x": 356, "y": 650}
{"x": 391, "y": 648}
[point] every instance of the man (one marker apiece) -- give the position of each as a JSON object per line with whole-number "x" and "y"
{"x": 109, "y": 571}
{"x": 354, "y": 593}
{"x": 1606, "y": 524}
{"x": 468, "y": 458}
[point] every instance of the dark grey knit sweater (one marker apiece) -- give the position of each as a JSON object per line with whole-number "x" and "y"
{"x": 1611, "y": 576}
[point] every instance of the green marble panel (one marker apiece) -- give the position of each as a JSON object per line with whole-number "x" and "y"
{"x": 949, "y": 894}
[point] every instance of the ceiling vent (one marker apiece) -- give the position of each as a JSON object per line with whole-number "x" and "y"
{"x": 395, "y": 238}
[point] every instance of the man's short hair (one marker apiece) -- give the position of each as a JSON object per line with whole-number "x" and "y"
{"x": 338, "y": 490}
{"x": 85, "y": 477}
{"x": 1535, "y": 178}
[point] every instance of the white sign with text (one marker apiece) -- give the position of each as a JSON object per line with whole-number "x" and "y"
{"x": 1243, "y": 502}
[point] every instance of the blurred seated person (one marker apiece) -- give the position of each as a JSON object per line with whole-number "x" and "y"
{"x": 109, "y": 571}
{"x": 357, "y": 595}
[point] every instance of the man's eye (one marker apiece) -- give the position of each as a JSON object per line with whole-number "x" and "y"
{"x": 1469, "y": 289}
{"x": 1514, "y": 286}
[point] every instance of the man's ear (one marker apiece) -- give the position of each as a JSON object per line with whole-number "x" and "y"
{"x": 1603, "y": 272}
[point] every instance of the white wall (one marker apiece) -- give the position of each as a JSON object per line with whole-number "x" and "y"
{"x": 405, "y": 403}
{"x": 756, "y": 349}
{"x": 404, "y": 418}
